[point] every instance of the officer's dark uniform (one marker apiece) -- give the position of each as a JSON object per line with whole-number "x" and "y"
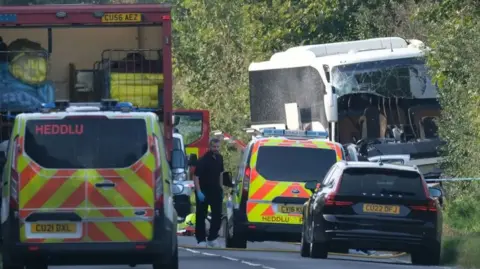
{"x": 208, "y": 171}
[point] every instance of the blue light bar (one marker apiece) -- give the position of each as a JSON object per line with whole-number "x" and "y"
{"x": 317, "y": 134}
{"x": 124, "y": 106}
{"x": 294, "y": 133}
{"x": 8, "y": 17}
{"x": 273, "y": 132}
{"x": 48, "y": 105}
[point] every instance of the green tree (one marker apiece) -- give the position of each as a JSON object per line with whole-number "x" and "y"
{"x": 212, "y": 53}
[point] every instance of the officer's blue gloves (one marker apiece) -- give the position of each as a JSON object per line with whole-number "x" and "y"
{"x": 200, "y": 196}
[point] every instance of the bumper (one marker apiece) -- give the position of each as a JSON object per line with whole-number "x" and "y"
{"x": 378, "y": 237}
{"x": 16, "y": 253}
{"x": 273, "y": 232}
{"x": 92, "y": 253}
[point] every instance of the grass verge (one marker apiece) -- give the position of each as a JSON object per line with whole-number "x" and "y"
{"x": 462, "y": 250}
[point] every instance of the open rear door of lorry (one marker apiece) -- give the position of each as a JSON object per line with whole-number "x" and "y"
{"x": 194, "y": 126}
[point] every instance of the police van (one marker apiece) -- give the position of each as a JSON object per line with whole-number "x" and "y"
{"x": 88, "y": 184}
{"x": 269, "y": 189}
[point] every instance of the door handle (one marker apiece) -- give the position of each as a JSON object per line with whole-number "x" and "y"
{"x": 105, "y": 185}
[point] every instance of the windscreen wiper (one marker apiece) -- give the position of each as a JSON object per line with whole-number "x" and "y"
{"x": 385, "y": 191}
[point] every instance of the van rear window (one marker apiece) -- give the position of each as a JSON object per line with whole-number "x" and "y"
{"x": 294, "y": 164}
{"x": 87, "y": 142}
{"x": 357, "y": 181}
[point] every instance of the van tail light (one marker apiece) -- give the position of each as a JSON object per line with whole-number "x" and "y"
{"x": 246, "y": 179}
{"x": 330, "y": 198}
{"x": 15, "y": 178}
{"x": 14, "y": 190}
{"x": 159, "y": 195}
{"x": 431, "y": 206}
{"x": 159, "y": 202}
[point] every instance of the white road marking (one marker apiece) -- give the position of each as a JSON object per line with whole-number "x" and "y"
{"x": 230, "y": 258}
{"x": 251, "y": 264}
{"x": 227, "y": 258}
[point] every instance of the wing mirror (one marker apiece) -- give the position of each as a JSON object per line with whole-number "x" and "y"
{"x": 311, "y": 185}
{"x": 435, "y": 192}
{"x": 227, "y": 179}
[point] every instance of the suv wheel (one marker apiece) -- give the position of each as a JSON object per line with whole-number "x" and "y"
{"x": 428, "y": 256}
{"x": 318, "y": 250}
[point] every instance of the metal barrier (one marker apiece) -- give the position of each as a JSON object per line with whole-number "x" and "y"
{"x": 134, "y": 76}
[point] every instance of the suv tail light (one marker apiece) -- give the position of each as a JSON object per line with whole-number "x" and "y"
{"x": 430, "y": 206}
{"x": 330, "y": 198}
{"x": 431, "y": 203}
{"x": 330, "y": 201}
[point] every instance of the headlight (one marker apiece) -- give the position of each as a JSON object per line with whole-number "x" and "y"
{"x": 180, "y": 177}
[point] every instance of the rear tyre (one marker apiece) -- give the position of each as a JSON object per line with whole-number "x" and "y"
{"x": 237, "y": 240}
{"x": 429, "y": 256}
{"x": 39, "y": 265}
{"x": 318, "y": 250}
{"x": 9, "y": 266}
{"x": 170, "y": 263}
{"x": 9, "y": 263}
{"x": 304, "y": 246}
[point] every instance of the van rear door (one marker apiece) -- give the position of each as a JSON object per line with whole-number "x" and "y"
{"x": 106, "y": 168}
{"x": 279, "y": 170}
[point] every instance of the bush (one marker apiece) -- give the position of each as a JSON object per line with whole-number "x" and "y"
{"x": 461, "y": 250}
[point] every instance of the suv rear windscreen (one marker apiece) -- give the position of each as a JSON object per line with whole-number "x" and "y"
{"x": 87, "y": 142}
{"x": 294, "y": 164}
{"x": 381, "y": 181}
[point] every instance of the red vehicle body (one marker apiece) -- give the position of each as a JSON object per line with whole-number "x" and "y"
{"x": 87, "y": 41}
{"x": 194, "y": 126}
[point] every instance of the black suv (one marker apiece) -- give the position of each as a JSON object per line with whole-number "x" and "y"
{"x": 366, "y": 205}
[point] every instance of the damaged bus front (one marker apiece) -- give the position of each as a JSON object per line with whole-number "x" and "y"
{"x": 374, "y": 96}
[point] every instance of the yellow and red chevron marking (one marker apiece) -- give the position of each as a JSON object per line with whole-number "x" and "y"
{"x": 47, "y": 190}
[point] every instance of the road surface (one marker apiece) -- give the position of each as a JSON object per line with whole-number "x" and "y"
{"x": 193, "y": 258}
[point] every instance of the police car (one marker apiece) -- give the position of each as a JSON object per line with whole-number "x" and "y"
{"x": 269, "y": 189}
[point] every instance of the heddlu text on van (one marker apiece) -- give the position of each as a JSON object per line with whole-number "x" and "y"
{"x": 59, "y": 129}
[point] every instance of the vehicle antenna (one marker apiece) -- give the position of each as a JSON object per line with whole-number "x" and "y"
{"x": 391, "y": 45}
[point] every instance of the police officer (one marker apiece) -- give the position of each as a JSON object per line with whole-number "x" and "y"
{"x": 209, "y": 192}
